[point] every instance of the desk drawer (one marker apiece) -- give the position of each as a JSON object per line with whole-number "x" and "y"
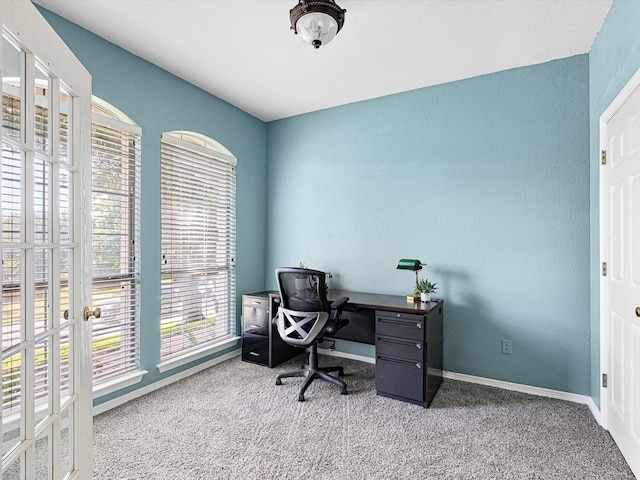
{"x": 400, "y": 378}
{"x": 255, "y": 348}
{"x": 255, "y": 315}
{"x": 400, "y": 325}
{"x": 400, "y": 348}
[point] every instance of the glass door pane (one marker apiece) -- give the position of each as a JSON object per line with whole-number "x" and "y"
{"x": 46, "y": 372}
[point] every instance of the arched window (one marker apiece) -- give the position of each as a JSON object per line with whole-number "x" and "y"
{"x": 198, "y": 215}
{"x": 115, "y": 195}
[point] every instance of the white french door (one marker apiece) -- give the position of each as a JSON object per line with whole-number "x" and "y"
{"x": 620, "y": 287}
{"x": 45, "y": 244}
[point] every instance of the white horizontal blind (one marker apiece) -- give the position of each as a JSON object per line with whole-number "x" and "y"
{"x": 12, "y": 254}
{"x": 198, "y": 197}
{"x": 116, "y": 257}
{"x": 14, "y": 299}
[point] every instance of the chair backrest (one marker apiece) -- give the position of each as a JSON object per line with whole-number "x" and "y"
{"x": 304, "y": 309}
{"x": 303, "y": 289}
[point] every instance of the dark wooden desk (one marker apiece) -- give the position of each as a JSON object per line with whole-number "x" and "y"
{"x": 408, "y": 340}
{"x": 407, "y": 336}
{"x": 362, "y": 307}
{"x": 380, "y": 301}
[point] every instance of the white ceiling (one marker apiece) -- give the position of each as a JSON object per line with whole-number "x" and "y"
{"x": 244, "y": 52}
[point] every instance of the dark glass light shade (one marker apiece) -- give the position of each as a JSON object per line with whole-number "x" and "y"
{"x": 406, "y": 264}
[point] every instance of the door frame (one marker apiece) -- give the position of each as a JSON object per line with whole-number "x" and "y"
{"x": 605, "y": 336}
{"x": 25, "y": 21}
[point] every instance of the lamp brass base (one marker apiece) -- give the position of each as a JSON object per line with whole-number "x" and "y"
{"x": 414, "y": 297}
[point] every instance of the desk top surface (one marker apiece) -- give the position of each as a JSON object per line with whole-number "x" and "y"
{"x": 381, "y": 301}
{"x": 375, "y": 301}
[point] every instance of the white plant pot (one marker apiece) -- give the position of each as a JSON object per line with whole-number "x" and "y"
{"x": 425, "y": 297}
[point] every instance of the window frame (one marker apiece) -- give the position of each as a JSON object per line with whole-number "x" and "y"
{"x": 204, "y": 149}
{"x": 112, "y": 118}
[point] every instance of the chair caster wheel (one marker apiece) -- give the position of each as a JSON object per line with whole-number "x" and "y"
{"x": 278, "y": 381}
{"x": 343, "y": 391}
{"x": 300, "y": 397}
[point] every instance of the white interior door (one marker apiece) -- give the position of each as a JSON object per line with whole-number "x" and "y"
{"x": 620, "y": 194}
{"x": 45, "y": 243}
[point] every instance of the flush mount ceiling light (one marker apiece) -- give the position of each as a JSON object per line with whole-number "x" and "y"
{"x": 317, "y": 22}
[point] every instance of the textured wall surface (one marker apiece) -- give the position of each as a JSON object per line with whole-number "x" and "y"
{"x": 486, "y": 180}
{"x": 160, "y": 102}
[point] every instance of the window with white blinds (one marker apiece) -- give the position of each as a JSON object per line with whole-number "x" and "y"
{"x": 115, "y": 216}
{"x": 198, "y": 205}
{"x": 115, "y": 195}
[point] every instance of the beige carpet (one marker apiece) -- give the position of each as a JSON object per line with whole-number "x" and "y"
{"x": 232, "y": 422}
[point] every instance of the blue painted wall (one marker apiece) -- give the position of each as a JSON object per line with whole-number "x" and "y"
{"x": 614, "y": 58}
{"x": 160, "y": 102}
{"x": 486, "y": 180}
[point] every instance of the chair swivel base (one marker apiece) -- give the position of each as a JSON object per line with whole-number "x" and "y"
{"x": 312, "y": 374}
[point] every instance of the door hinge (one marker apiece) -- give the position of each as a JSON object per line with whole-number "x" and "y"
{"x": 604, "y": 269}
{"x": 604, "y": 380}
{"x": 603, "y": 157}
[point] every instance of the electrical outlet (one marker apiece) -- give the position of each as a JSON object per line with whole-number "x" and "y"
{"x": 506, "y": 347}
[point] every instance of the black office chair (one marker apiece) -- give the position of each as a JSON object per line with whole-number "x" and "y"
{"x": 304, "y": 317}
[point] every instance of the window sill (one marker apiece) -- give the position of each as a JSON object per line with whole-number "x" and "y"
{"x": 118, "y": 383}
{"x": 196, "y": 353}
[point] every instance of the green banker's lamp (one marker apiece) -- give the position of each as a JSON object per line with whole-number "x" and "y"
{"x": 414, "y": 265}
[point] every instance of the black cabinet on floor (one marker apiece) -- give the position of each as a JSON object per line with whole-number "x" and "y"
{"x": 261, "y": 342}
{"x": 409, "y": 354}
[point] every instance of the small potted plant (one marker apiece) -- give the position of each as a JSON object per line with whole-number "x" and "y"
{"x": 425, "y": 288}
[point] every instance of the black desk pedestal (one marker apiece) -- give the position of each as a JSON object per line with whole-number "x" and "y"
{"x": 261, "y": 342}
{"x": 409, "y": 355}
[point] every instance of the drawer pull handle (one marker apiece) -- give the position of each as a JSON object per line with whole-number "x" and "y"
{"x": 255, "y": 326}
{"x": 394, "y": 322}
{"x": 396, "y": 342}
{"x": 380, "y": 359}
{"x": 254, "y": 354}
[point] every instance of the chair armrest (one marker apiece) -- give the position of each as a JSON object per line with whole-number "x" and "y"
{"x": 339, "y": 303}
{"x": 336, "y": 322}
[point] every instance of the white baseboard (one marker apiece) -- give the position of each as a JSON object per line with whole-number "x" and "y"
{"x": 518, "y": 387}
{"x": 595, "y": 411}
{"x": 542, "y": 392}
{"x": 122, "y": 399}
